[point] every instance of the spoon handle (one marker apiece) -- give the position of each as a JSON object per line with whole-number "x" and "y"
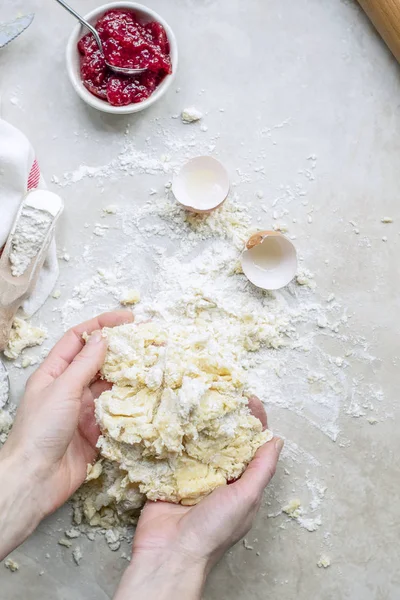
{"x": 82, "y": 20}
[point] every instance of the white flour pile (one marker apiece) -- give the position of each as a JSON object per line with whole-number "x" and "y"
{"x": 28, "y": 238}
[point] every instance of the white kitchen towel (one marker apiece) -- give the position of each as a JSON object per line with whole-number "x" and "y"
{"x": 19, "y": 172}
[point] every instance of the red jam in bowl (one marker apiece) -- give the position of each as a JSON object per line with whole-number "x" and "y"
{"x": 126, "y": 43}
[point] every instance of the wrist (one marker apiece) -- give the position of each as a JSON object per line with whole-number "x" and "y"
{"x": 165, "y": 576}
{"x": 20, "y": 511}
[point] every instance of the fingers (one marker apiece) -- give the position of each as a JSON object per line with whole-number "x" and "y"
{"x": 98, "y": 387}
{"x": 257, "y": 410}
{"x": 261, "y": 469}
{"x": 72, "y": 343}
{"x": 87, "y": 422}
{"x": 85, "y": 365}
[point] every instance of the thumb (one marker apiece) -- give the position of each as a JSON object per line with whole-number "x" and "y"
{"x": 86, "y": 364}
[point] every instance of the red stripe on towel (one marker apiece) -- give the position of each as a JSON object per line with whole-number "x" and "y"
{"x": 34, "y": 176}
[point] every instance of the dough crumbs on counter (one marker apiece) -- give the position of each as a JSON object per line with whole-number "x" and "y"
{"x": 247, "y": 545}
{"x": 293, "y": 509}
{"x": 26, "y": 362}
{"x": 324, "y": 561}
{"x": 372, "y": 420}
{"x": 72, "y": 533}
{"x": 191, "y": 115}
{"x": 130, "y": 297}
{"x": 305, "y": 278}
{"x": 384, "y": 238}
{"x": 11, "y": 565}
{"x": 65, "y": 257}
{"x": 387, "y": 220}
{"x": 111, "y": 209}
{"x": 113, "y": 539}
{"x": 65, "y": 542}
{"x": 23, "y": 335}
{"x": 56, "y": 294}
{"x": 77, "y": 555}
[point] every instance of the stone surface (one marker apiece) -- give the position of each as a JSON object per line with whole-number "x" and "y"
{"x": 318, "y": 81}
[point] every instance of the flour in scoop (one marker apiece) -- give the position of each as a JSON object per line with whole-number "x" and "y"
{"x": 37, "y": 215}
{"x": 28, "y": 238}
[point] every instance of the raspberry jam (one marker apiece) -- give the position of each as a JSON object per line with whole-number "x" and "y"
{"x": 126, "y": 43}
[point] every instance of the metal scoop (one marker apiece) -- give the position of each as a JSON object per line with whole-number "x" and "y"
{"x": 14, "y": 290}
{"x": 120, "y": 70}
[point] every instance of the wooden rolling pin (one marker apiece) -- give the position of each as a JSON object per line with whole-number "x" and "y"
{"x": 385, "y": 15}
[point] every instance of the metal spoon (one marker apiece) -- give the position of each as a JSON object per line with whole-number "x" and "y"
{"x": 120, "y": 70}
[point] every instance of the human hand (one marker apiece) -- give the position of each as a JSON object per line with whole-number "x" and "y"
{"x": 54, "y": 435}
{"x": 175, "y": 546}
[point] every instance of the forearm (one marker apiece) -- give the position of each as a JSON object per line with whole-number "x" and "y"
{"x": 163, "y": 578}
{"x": 19, "y": 514}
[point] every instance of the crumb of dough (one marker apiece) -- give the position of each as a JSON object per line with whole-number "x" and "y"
{"x": 191, "y": 115}
{"x": 11, "y": 565}
{"x": 175, "y": 424}
{"x": 305, "y": 278}
{"x": 94, "y": 471}
{"x": 77, "y": 555}
{"x": 293, "y": 508}
{"x": 372, "y": 420}
{"x": 130, "y": 297}
{"x": 247, "y": 545}
{"x": 65, "y": 542}
{"x": 113, "y": 539}
{"x": 23, "y": 335}
{"x": 26, "y": 362}
{"x": 72, "y": 533}
{"x": 111, "y": 209}
{"x": 56, "y": 294}
{"x": 387, "y": 220}
{"x": 324, "y": 561}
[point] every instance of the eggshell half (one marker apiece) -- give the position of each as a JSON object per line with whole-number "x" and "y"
{"x": 202, "y": 184}
{"x": 270, "y": 260}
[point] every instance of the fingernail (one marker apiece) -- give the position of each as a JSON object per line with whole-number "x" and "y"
{"x": 279, "y": 445}
{"x": 95, "y": 338}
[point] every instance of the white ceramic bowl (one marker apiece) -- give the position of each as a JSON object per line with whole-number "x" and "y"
{"x": 73, "y": 59}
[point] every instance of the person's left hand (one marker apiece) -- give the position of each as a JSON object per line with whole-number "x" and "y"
{"x": 54, "y": 435}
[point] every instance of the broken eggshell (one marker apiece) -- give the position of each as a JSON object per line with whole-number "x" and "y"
{"x": 270, "y": 260}
{"x": 202, "y": 184}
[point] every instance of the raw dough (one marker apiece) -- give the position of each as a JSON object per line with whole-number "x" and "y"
{"x": 175, "y": 425}
{"x": 191, "y": 115}
{"x": 23, "y": 335}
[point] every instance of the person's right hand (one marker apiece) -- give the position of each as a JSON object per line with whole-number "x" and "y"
{"x": 175, "y": 546}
